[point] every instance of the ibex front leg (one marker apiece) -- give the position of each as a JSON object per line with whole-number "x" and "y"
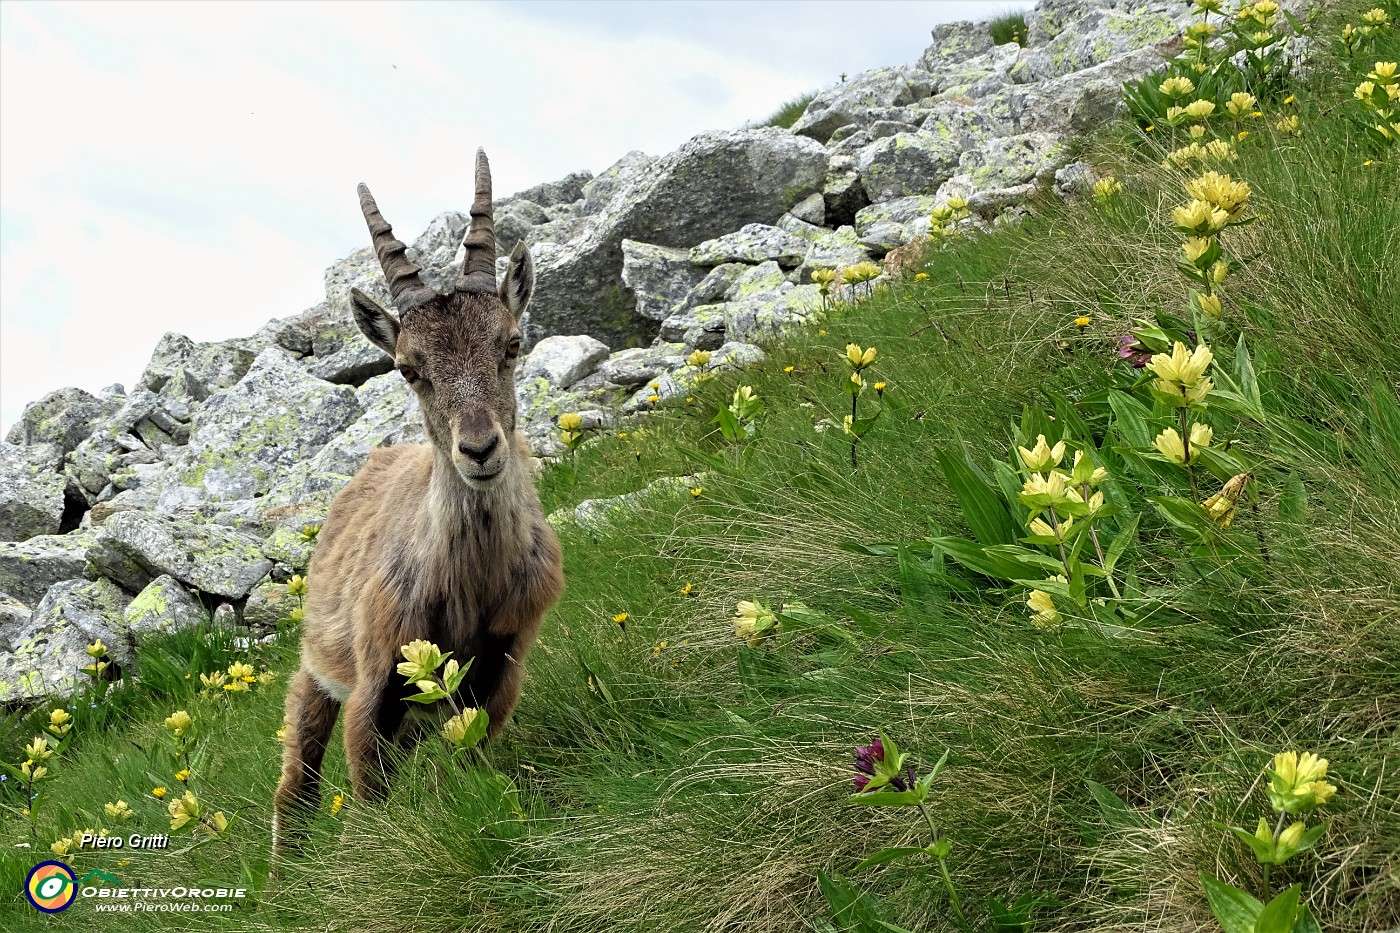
{"x": 373, "y": 714}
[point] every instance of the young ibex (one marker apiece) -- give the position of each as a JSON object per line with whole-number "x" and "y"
{"x": 444, "y": 542}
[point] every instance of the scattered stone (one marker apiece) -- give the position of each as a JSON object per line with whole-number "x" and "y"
{"x": 31, "y": 499}
{"x": 659, "y": 277}
{"x": 163, "y": 606}
{"x": 564, "y": 360}
{"x": 133, "y": 548}
{"x": 29, "y": 568}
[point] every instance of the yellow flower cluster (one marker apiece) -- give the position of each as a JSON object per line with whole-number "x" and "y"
{"x": 1298, "y": 783}
{"x": 1220, "y": 508}
{"x": 570, "y": 429}
{"x": 1106, "y": 189}
{"x": 945, "y": 217}
{"x": 1380, "y": 95}
{"x": 1181, "y": 375}
{"x": 753, "y": 621}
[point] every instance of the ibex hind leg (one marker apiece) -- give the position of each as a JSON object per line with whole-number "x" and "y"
{"x": 311, "y": 715}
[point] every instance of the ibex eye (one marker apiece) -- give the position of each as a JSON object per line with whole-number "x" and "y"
{"x": 513, "y": 350}
{"x": 409, "y": 374}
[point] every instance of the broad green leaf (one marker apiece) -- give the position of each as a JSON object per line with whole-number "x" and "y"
{"x": 1306, "y": 922}
{"x": 974, "y": 557}
{"x": 1113, "y": 808}
{"x": 1236, "y": 910}
{"x": 985, "y": 512}
{"x": 1026, "y": 556}
{"x": 851, "y": 909}
{"x": 1278, "y": 915}
{"x": 889, "y": 855}
{"x": 1120, "y": 544}
{"x": 1244, "y": 374}
{"x": 1263, "y": 848}
{"x": 1188, "y": 517}
{"x": 1131, "y": 419}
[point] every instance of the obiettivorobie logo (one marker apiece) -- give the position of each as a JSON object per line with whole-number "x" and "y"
{"x": 52, "y": 887}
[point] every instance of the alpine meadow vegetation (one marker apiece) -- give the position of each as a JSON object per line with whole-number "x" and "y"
{"x": 1073, "y": 606}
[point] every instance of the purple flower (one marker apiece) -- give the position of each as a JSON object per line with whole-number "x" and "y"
{"x": 868, "y": 757}
{"x": 1134, "y": 352}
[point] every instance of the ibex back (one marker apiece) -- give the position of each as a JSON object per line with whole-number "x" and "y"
{"x": 444, "y": 542}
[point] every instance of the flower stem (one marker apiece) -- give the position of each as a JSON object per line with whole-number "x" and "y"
{"x": 1278, "y": 830}
{"x": 854, "y": 399}
{"x": 1059, "y": 542}
{"x": 1186, "y": 452}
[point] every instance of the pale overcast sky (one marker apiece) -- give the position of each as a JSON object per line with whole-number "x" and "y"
{"x": 192, "y": 166}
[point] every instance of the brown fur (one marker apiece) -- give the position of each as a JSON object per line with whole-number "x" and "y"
{"x": 444, "y": 542}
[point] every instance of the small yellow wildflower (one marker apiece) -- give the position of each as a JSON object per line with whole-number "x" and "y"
{"x": 1042, "y": 456}
{"x": 39, "y": 750}
{"x": 240, "y": 670}
{"x": 296, "y": 586}
{"x": 337, "y": 803}
{"x": 1107, "y": 188}
{"x": 920, "y": 276}
{"x": 159, "y": 792}
{"x": 182, "y": 775}
{"x": 1083, "y": 321}
{"x": 698, "y": 358}
{"x": 119, "y": 810}
{"x": 1200, "y": 109}
{"x": 621, "y": 620}
{"x": 1043, "y": 611}
{"x": 695, "y": 491}
{"x": 183, "y": 811}
{"x": 214, "y": 681}
{"x": 1209, "y": 305}
{"x": 858, "y": 358}
{"x": 570, "y": 421}
{"x": 788, "y": 369}
{"x": 97, "y": 649}
{"x": 1177, "y": 87}
{"x": 657, "y": 648}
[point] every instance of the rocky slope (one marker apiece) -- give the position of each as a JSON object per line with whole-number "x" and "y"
{"x": 139, "y": 510}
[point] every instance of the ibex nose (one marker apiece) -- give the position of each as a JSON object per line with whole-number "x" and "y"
{"x": 483, "y": 453}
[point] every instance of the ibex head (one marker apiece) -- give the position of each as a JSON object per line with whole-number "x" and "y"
{"x": 458, "y": 350}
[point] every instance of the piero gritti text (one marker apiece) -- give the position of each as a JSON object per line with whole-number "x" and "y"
{"x": 134, "y": 841}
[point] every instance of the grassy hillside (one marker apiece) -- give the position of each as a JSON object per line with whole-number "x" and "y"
{"x": 673, "y": 775}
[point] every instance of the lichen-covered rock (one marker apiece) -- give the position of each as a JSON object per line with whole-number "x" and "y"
{"x": 699, "y": 328}
{"x": 1095, "y": 38}
{"x": 1012, "y": 160}
{"x": 848, "y": 102}
{"x": 563, "y": 360}
{"x": 391, "y": 416}
{"x": 435, "y": 250}
{"x": 714, "y": 286}
{"x": 953, "y": 44}
{"x": 14, "y": 615}
{"x": 596, "y": 515}
{"x": 50, "y": 650}
{"x": 840, "y": 247}
{"x": 353, "y": 364}
{"x": 601, "y": 189}
{"x": 659, "y": 276}
{"x": 913, "y": 210}
{"x": 163, "y": 606}
{"x": 566, "y": 190}
{"x": 63, "y": 418}
{"x": 358, "y": 270}
{"x": 133, "y": 548}
{"x": 763, "y": 279}
{"x": 276, "y": 416}
{"x": 811, "y": 209}
{"x": 712, "y": 185}
{"x": 29, "y": 568}
{"x": 514, "y": 223}
{"x": 1080, "y": 101}
{"x": 217, "y": 365}
{"x": 843, "y": 195}
{"x": 638, "y": 365}
{"x": 751, "y": 243}
{"x": 31, "y": 499}
{"x": 766, "y": 315}
{"x": 907, "y": 164}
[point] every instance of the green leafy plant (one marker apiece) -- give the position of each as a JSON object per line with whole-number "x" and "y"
{"x": 1297, "y": 786}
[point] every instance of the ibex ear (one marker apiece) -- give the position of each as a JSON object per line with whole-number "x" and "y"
{"x": 519, "y": 282}
{"x": 380, "y": 326}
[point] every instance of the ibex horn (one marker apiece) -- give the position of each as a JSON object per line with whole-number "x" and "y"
{"x": 405, "y": 286}
{"x": 479, "y": 269}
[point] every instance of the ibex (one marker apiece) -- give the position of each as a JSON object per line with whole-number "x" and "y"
{"x": 442, "y": 541}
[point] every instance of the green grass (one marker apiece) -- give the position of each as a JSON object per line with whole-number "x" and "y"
{"x": 1009, "y": 27}
{"x": 789, "y": 113}
{"x": 700, "y": 785}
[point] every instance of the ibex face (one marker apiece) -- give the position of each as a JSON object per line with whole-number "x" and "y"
{"x": 457, "y": 351}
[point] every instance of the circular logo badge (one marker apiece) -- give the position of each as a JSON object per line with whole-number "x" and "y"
{"x": 51, "y": 887}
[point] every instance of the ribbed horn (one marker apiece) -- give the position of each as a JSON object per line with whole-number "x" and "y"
{"x": 479, "y": 269}
{"x": 405, "y": 286}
